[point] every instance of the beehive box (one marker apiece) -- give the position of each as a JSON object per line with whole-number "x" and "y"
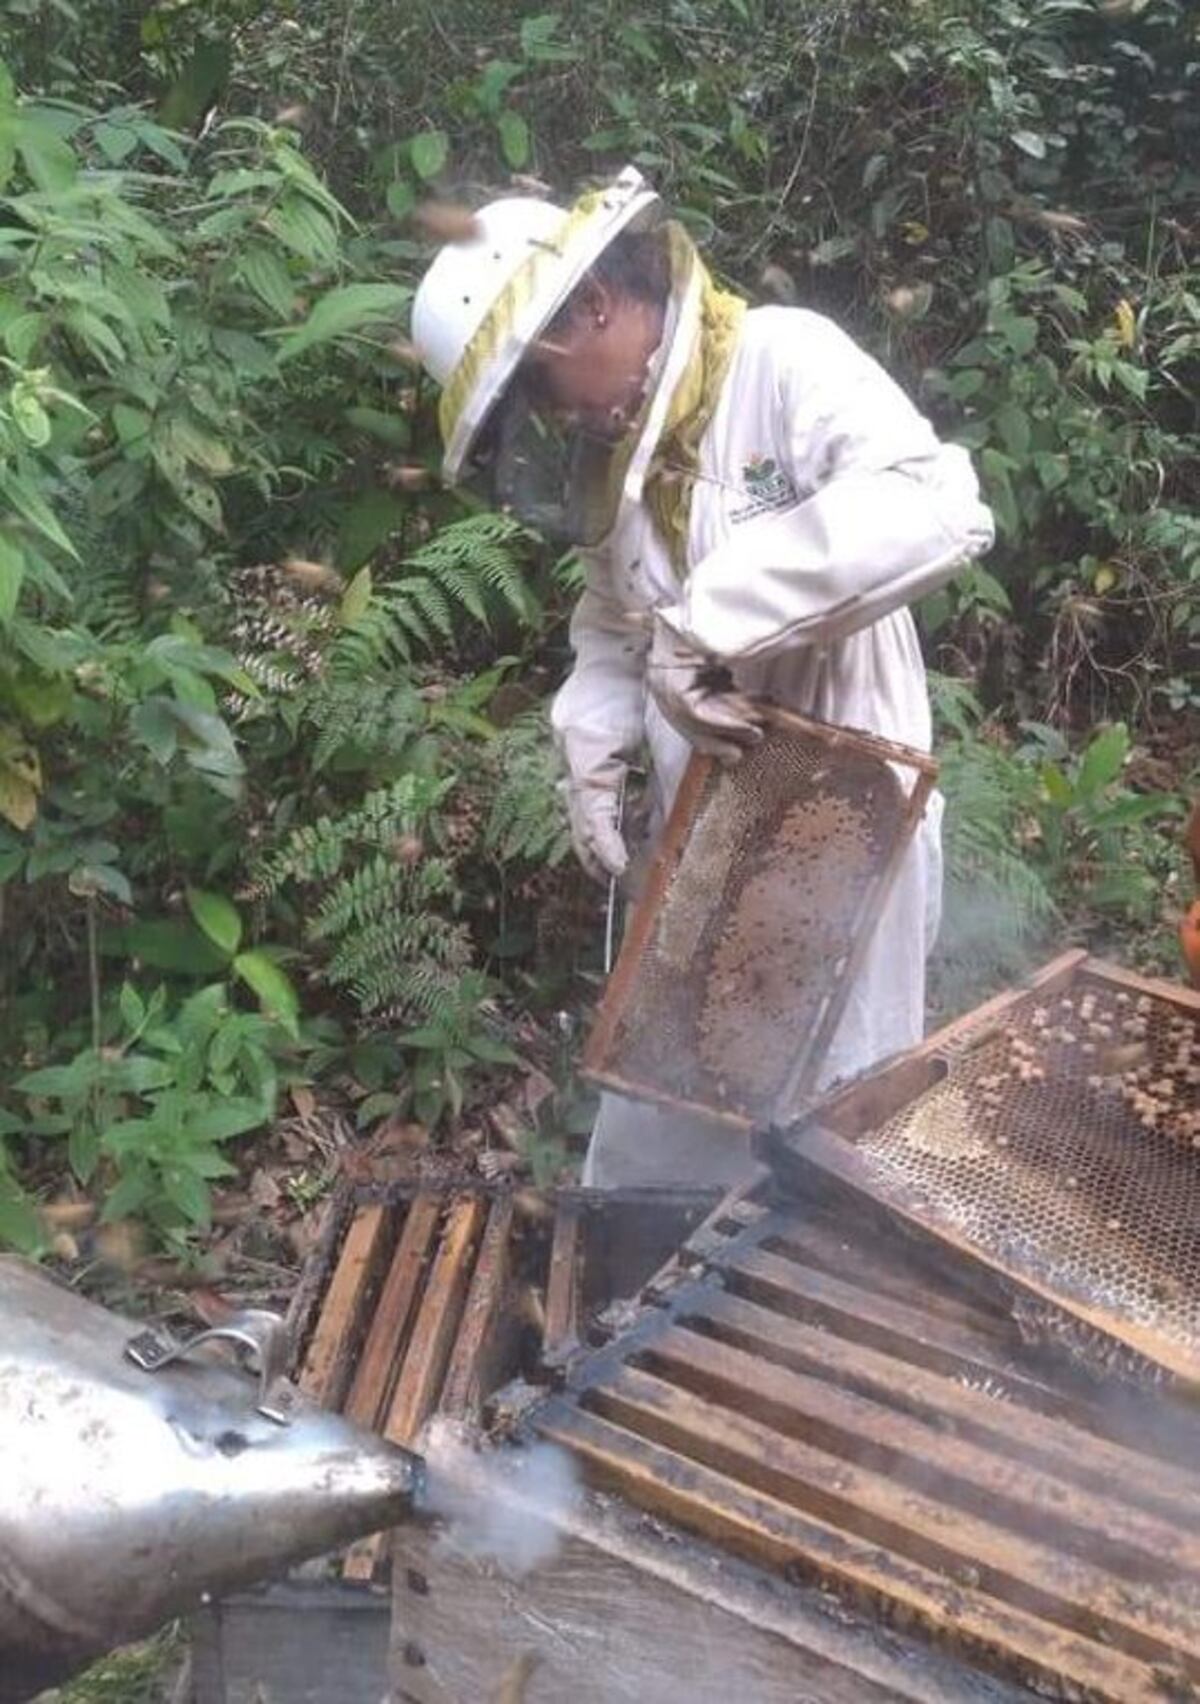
{"x": 821, "y": 1468}
{"x": 827, "y": 1398}
{"x": 1053, "y": 1137}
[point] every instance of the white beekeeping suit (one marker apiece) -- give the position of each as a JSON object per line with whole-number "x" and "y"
{"x": 821, "y": 505}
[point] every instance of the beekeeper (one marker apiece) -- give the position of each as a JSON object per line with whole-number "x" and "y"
{"x": 756, "y": 504}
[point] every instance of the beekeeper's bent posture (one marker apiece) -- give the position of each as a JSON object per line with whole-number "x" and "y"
{"x": 747, "y": 489}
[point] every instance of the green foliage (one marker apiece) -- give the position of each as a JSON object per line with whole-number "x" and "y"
{"x": 1037, "y": 838}
{"x": 455, "y": 1041}
{"x": 527, "y": 822}
{"x": 258, "y": 675}
{"x": 151, "y": 1109}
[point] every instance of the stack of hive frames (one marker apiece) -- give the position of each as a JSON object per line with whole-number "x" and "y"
{"x": 759, "y": 906}
{"x": 1055, "y": 1137}
{"x": 424, "y": 1302}
{"x": 824, "y": 1398}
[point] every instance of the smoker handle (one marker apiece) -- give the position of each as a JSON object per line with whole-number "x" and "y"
{"x": 256, "y": 1329}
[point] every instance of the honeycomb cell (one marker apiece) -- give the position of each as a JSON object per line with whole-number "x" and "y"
{"x": 751, "y": 935}
{"x": 1073, "y": 1178}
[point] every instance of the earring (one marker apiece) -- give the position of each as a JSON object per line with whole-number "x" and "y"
{"x": 601, "y": 321}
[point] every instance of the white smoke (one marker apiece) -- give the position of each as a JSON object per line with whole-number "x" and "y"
{"x": 507, "y": 1506}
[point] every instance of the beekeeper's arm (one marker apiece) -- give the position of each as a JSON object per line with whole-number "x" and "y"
{"x": 598, "y": 719}
{"x": 886, "y": 513}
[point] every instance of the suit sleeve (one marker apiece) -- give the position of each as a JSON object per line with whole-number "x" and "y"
{"x": 598, "y": 714}
{"x": 885, "y": 513}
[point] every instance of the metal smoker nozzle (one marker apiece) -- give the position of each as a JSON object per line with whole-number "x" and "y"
{"x": 140, "y": 1477}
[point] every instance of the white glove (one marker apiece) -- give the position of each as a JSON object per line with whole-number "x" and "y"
{"x": 695, "y": 694}
{"x": 594, "y": 807}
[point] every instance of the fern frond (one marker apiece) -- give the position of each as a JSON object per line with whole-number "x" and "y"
{"x": 458, "y": 571}
{"x": 527, "y": 821}
{"x": 378, "y": 887}
{"x": 316, "y": 851}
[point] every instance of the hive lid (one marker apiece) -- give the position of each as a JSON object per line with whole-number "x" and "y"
{"x": 760, "y": 904}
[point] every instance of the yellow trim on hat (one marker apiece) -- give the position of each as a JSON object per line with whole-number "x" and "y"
{"x": 532, "y": 278}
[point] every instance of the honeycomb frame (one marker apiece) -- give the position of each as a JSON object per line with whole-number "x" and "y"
{"x": 795, "y": 848}
{"x": 1053, "y": 1138}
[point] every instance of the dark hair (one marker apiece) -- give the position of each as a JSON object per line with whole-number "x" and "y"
{"x": 635, "y": 263}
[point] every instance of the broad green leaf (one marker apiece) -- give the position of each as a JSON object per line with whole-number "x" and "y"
{"x": 1012, "y": 423}
{"x": 117, "y": 486}
{"x": 263, "y": 272}
{"x": 204, "y": 75}
{"x": 1103, "y": 760}
{"x": 131, "y": 424}
{"x": 88, "y": 879}
{"x": 367, "y": 523}
{"x": 1057, "y": 787}
{"x": 50, "y": 161}
{"x": 401, "y": 198}
{"x": 428, "y": 152}
{"x": 63, "y": 1082}
{"x": 199, "y": 446}
{"x": 1030, "y": 142}
{"x": 304, "y": 229}
{"x": 132, "y": 1007}
{"x": 232, "y": 1117}
{"x": 22, "y": 334}
{"x": 29, "y": 503}
{"x": 190, "y": 1193}
{"x": 390, "y": 429}
{"x": 514, "y": 139}
{"x": 356, "y": 598}
{"x": 165, "y": 945}
{"x": 217, "y": 917}
{"x": 83, "y": 1150}
{"x": 273, "y": 987}
{"x": 130, "y": 1194}
{"x": 29, "y": 415}
{"x": 155, "y": 725}
{"x": 12, "y": 573}
{"x": 343, "y": 310}
{"x": 20, "y": 1227}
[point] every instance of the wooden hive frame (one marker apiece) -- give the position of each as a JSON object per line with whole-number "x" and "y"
{"x": 838, "y": 1410}
{"x": 416, "y": 1302}
{"x": 829, "y": 1142}
{"x": 602, "y": 1062}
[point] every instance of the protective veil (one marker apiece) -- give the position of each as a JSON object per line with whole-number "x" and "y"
{"x": 822, "y": 504}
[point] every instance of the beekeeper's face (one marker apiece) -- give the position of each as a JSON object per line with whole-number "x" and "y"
{"x": 591, "y": 363}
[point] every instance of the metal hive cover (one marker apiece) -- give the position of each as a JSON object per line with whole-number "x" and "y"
{"x": 1061, "y": 1147}
{"x": 740, "y": 953}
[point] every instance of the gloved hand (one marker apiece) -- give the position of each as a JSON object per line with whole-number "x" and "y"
{"x": 697, "y": 697}
{"x": 594, "y": 807}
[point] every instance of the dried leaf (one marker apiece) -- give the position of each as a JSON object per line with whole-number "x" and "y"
{"x": 538, "y": 1089}
{"x": 122, "y": 1243}
{"x": 527, "y": 185}
{"x": 264, "y": 1190}
{"x": 304, "y": 1101}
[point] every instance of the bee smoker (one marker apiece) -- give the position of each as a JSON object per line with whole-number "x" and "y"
{"x": 140, "y": 1475}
